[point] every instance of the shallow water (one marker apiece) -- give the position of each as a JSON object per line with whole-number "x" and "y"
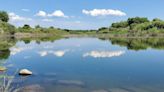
{"x": 86, "y": 65}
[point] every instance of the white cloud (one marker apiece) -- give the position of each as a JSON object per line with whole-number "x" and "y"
{"x": 104, "y": 54}
{"x": 103, "y": 12}
{"x": 47, "y": 20}
{"x": 41, "y": 14}
{"x": 25, "y": 10}
{"x": 15, "y": 17}
{"x": 58, "y": 13}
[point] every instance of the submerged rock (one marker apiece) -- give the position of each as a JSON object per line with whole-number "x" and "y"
{"x": 2, "y": 68}
{"x": 31, "y": 88}
{"x": 100, "y": 90}
{"x": 71, "y": 82}
{"x": 25, "y": 72}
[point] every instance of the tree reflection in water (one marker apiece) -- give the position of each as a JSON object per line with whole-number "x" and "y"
{"x": 138, "y": 43}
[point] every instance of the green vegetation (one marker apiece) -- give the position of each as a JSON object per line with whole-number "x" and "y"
{"x": 132, "y": 27}
{"x": 6, "y": 29}
{"x": 136, "y": 27}
{"x": 4, "y": 16}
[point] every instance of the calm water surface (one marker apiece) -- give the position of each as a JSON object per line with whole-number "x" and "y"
{"x": 85, "y": 65}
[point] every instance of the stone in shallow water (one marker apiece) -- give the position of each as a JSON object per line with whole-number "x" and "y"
{"x": 2, "y": 68}
{"x": 25, "y": 72}
{"x": 31, "y": 88}
{"x": 120, "y": 90}
{"x": 100, "y": 91}
{"x": 71, "y": 82}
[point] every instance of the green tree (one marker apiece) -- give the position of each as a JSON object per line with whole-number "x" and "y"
{"x": 102, "y": 28}
{"x": 156, "y": 19}
{"x": 122, "y": 24}
{"x": 26, "y": 26}
{"x": 4, "y": 16}
{"x": 37, "y": 26}
{"x": 159, "y": 24}
{"x": 137, "y": 20}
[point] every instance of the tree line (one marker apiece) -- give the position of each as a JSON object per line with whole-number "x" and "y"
{"x": 137, "y": 25}
{"x": 132, "y": 26}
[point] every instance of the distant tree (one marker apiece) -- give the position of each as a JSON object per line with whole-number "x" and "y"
{"x": 159, "y": 24}
{"x": 103, "y": 28}
{"x": 4, "y": 16}
{"x": 67, "y": 30}
{"x": 26, "y": 26}
{"x": 51, "y": 27}
{"x": 156, "y": 19}
{"x": 122, "y": 24}
{"x": 137, "y": 20}
{"x": 37, "y": 26}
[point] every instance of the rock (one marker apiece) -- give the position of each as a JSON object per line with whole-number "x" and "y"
{"x": 2, "y": 68}
{"x": 101, "y": 90}
{"x": 25, "y": 72}
{"x": 71, "y": 82}
{"x": 31, "y": 88}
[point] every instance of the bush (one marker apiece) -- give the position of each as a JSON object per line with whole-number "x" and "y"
{"x": 137, "y": 20}
{"x": 4, "y": 16}
{"x": 122, "y": 24}
{"x": 6, "y": 27}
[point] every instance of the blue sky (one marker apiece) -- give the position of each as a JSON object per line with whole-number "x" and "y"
{"x": 79, "y": 14}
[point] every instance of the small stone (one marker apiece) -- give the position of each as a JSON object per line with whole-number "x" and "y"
{"x": 25, "y": 72}
{"x": 2, "y": 68}
{"x": 31, "y": 88}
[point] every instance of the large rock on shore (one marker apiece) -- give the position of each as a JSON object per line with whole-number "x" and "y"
{"x": 25, "y": 72}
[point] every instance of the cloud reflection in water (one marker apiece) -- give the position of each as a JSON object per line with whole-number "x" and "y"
{"x": 103, "y": 54}
{"x": 59, "y": 53}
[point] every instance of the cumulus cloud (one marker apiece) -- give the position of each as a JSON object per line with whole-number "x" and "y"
{"x": 103, "y": 12}
{"x": 41, "y": 14}
{"x": 25, "y": 10}
{"x": 15, "y": 17}
{"x": 103, "y": 54}
{"x": 57, "y": 13}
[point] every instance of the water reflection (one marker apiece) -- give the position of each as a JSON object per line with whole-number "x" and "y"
{"x": 59, "y": 53}
{"x": 104, "y": 54}
{"x": 135, "y": 71}
{"x": 138, "y": 43}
